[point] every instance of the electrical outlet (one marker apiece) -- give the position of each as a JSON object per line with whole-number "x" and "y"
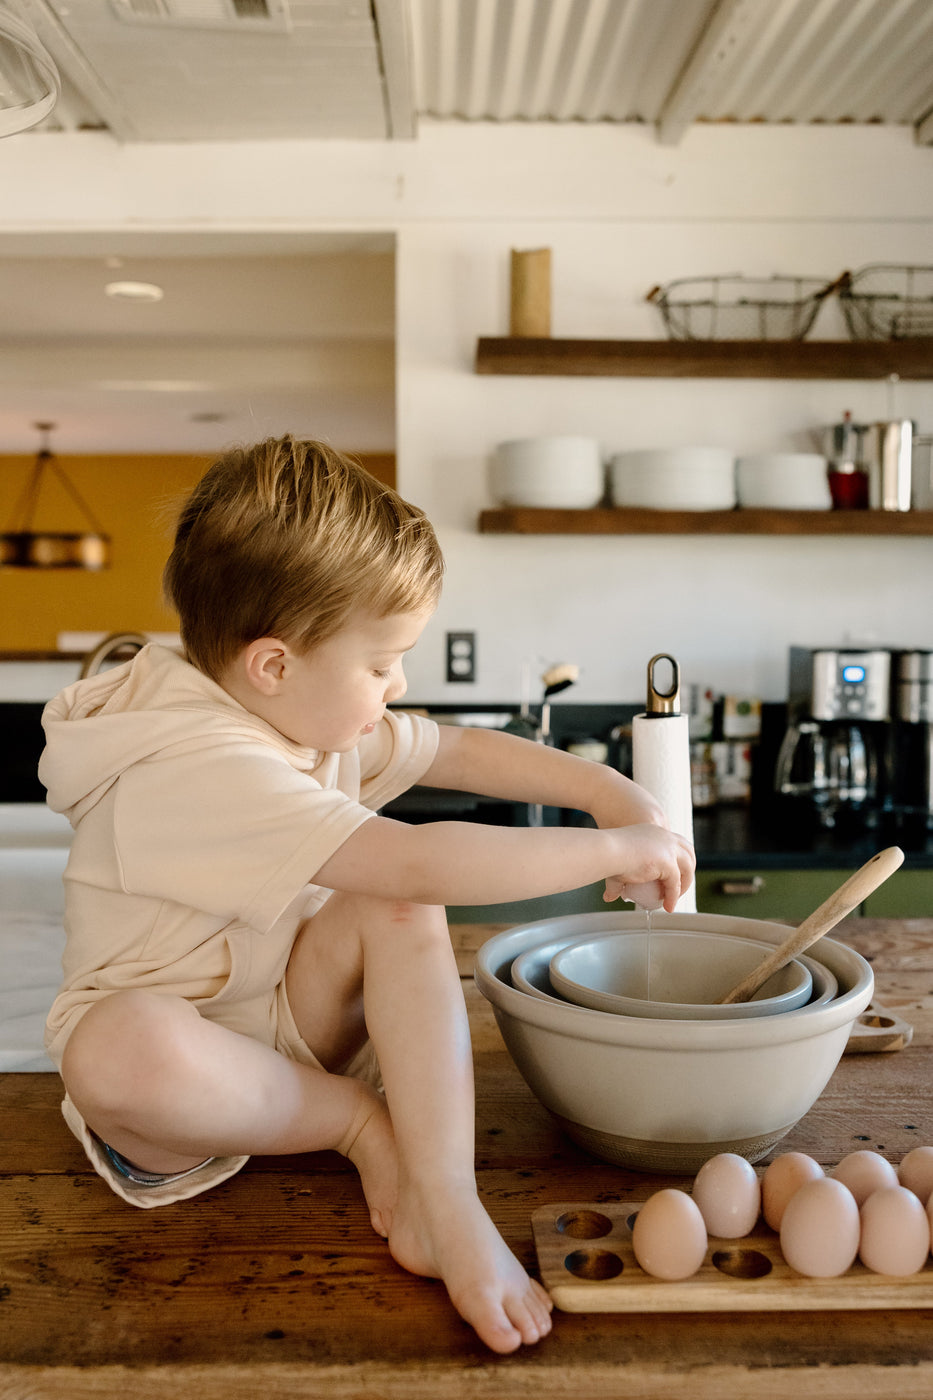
{"x": 461, "y": 656}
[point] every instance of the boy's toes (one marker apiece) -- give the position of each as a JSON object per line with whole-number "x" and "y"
{"x": 380, "y": 1223}
{"x": 532, "y": 1317}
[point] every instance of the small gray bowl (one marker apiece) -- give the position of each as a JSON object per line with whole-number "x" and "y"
{"x": 685, "y": 971}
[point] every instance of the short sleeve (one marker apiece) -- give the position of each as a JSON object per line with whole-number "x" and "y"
{"x": 395, "y": 756}
{"x": 230, "y": 828}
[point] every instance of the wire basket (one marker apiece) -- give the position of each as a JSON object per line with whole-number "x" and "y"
{"x": 887, "y": 301}
{"x": 740, "y": 308}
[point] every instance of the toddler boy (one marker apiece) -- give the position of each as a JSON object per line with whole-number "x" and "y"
{"x": 258, "y": 962}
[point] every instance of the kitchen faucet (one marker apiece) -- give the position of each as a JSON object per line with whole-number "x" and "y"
{"x": 116, "y": 642}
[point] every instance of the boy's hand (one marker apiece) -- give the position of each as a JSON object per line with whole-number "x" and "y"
{"x": 659, "y": 866}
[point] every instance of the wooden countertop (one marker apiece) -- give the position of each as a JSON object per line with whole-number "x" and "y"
{"x": 274, "y": 1285}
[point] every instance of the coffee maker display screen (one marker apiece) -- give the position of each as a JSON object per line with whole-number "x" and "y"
{"x": 853, "y": 675}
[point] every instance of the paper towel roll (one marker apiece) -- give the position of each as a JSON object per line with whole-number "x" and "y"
{"x": 661, "y": 764}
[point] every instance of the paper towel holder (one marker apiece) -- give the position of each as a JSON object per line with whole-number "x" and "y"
{"x": 663, "y": 702}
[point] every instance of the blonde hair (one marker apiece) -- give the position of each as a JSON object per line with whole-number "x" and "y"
{"x": 287, "y": 539}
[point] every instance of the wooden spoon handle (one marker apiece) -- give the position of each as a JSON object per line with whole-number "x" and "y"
{"x": 840, "y": 903}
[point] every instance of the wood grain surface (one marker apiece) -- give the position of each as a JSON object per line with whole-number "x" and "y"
{"x": 274, "y": 1286}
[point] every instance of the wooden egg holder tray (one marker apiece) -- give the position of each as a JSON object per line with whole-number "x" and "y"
{"x": 587, "y": 1264}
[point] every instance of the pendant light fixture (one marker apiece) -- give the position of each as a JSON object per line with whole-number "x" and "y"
{"x": 29, "y": 81}
{"x": 24, "y": 547}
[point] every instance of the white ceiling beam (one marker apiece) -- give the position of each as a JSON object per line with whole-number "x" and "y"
{"x": 924, "y": 130}
{"x": 714, "y": 52}
{"x": 396, "y": 52}
{"x": 73, "y": 65}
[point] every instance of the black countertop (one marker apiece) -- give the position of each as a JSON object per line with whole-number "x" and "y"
{"x": 751, "y": 836}
{"x": 739, "y": 838}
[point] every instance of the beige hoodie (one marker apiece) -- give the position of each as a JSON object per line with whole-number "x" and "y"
{"x": 198, "y": 831}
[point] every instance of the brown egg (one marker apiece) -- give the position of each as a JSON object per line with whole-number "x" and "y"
{"x": 729, "y": 1196}
{"x": 895, "y": 1232}
{"x": 783, "y": 1177}
{"x": 669, "y": 1237}
{"x": 820, "y": 1229}
{"x": 916, "y": 1173}
{"x": 864, "y": 1172}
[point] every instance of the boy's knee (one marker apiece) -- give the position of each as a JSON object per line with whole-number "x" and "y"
{"x": 406, "y": 919}
{"x": 369, "y": 910}
{"x": 120, "y": 1037}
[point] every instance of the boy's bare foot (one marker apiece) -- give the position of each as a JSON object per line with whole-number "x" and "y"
{"x": 452, "y": 1238}
{"x": 370, "y": 1145}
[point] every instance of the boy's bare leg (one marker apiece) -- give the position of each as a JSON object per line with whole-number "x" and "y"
{"x": 415, "y": 1014}
{"x": 167, "y": 1088}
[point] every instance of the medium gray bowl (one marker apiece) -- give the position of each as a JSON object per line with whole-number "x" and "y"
{"x": 531, "y": 973}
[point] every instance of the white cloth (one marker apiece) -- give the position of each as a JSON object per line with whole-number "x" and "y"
{"x": 31, "y": 947}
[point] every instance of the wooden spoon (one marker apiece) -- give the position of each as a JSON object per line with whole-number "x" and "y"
{"x": 858, "y": 886}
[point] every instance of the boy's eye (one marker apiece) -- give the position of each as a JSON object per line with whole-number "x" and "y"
{"x": 383, "y": 675}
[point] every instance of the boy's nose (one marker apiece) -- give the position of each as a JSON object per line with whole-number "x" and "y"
{"x": 396, "y": 688}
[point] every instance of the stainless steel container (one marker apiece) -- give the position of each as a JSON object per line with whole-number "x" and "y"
{"x": 912, "y": 740}
{"x": 921, "y": 473}
{"x": 888, "y": 456}
{"x": 913, "y": 686}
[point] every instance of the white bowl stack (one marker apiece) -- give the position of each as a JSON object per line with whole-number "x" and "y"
{"x": 783, "y": 481}
{"x": 563, "y": 473}
{"x": 667, "y": 1094}
{"x": 674, "y": 478}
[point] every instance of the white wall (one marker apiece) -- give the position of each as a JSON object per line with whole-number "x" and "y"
{"x": 621, "y": 214}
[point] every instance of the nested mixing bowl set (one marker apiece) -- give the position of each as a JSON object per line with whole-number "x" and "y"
{"x": 620, "y": 1035}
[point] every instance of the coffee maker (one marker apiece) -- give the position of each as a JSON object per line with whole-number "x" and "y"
{"x": 911, "y": 747}
{"x": 831, "y": 767}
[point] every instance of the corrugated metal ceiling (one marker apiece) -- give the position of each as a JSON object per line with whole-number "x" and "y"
{"x": 366, "y": 69}
{"x": 671, "y": 62}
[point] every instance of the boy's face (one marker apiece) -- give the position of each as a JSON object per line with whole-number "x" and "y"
{"x": 338, "y": 692}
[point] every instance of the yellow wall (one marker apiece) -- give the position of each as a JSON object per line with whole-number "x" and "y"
{"x": 135, "y": 500}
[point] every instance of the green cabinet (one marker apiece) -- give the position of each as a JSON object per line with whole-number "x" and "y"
{"x": 908, "y": 894}
{"x": 786, "y": 896}
{"x": 790, "y": 895}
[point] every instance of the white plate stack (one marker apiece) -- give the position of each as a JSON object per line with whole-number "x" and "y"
{"x": 674, "y": 478}
{"x": 783, "y": 481}
{"x": 563, "y": 473}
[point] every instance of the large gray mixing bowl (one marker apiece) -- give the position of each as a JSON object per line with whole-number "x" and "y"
{"x": 668, "y": 1095}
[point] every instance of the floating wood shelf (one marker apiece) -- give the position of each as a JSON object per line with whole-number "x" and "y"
{"x": 726, "y": 359}
{"x": 523, "y": 520}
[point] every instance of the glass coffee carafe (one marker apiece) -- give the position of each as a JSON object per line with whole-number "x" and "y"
{"x": 829, "y": 769}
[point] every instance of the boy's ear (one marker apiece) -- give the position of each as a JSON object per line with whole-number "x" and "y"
{"x": 264, "y": 664}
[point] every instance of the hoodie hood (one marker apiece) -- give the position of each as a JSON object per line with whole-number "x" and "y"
{"x": 98, "y": 727}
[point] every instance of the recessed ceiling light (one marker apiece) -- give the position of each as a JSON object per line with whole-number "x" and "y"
{"x": 134, "y": 291}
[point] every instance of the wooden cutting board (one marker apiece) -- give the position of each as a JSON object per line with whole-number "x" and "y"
{"x": 878, "y": 1029}
{"x": 587, "y": 1264}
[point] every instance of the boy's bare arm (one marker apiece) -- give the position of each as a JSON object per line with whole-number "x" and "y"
{"x": 502, "y": 765}
{"x": 468, "y": 863}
